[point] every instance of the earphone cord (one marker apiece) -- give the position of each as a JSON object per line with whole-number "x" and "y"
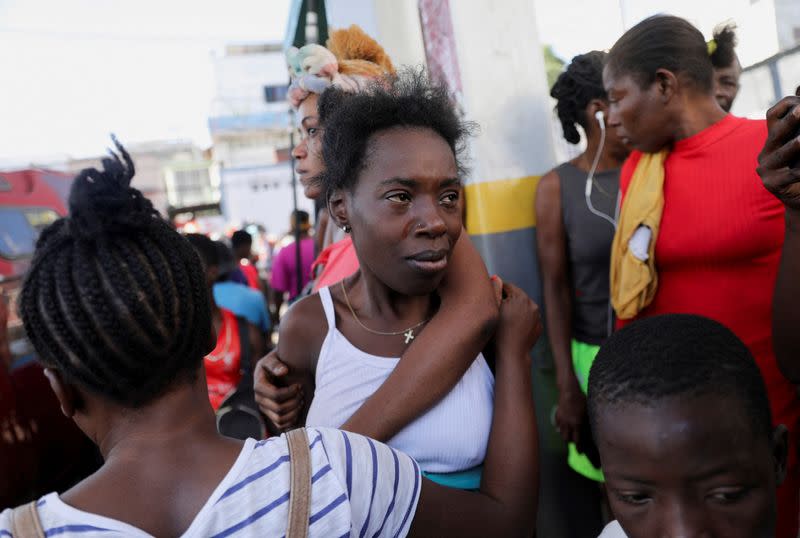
{"x": 590, "y": 180}
{"x": 612, "y": 221}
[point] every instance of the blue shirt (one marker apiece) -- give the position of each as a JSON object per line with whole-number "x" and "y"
{"x": 243, "y": 301}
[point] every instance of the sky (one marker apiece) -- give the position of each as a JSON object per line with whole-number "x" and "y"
{"x": 75, "y": 70}
{"x": 577, "y": 26}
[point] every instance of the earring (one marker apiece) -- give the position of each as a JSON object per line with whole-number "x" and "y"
{"x": 346, "y": 228}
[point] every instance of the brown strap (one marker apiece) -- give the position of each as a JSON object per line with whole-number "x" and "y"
{"x": 25, "y": 522}
{"x": 300, "y": 492}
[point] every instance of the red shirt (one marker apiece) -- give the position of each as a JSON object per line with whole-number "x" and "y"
{"x": 720, "y": 241}
{"x": 223, "y": 365}
{"x": 338, "y": 262}
{"x": 251, "y": 274}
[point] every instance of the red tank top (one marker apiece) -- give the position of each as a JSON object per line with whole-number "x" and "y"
{"x": 251, "y": 274}
{"x": 223, "y": 365}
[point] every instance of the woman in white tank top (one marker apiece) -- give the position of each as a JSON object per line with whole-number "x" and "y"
{"x": 394, "y": 184}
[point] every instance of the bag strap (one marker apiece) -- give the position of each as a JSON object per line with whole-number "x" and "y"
{"x": 300, "y": 492}
{"x": 25, "y": 522}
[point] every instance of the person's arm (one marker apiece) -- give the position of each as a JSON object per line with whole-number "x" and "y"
{"x": 441, "y": 354}
{"x": 552, "y": 250}
{"x": 323, "y": 218}
{"x": 779, "y": 168}
{"x": 506, "y": 503}
{"x": 302, "y": 332}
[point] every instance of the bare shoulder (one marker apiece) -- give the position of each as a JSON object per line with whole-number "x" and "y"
{"x": 302, "y": 331}
{"x": 549, "y": 186}
{"x": 548, "y": 195}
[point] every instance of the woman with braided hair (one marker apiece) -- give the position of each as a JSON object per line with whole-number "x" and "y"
{"x": 117, "y": 305}
{"x": 575, "y": 205}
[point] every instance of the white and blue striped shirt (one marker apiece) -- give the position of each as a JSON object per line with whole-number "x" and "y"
{"x": 360, "y": 488}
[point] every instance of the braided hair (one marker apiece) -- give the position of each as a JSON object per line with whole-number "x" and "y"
{"x": 580, "y": 82}
{"x": 678, "y": 356}
{"x": 115, "y": 299}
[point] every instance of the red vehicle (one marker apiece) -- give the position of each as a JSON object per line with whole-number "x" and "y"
{"x": 29, "y": 201}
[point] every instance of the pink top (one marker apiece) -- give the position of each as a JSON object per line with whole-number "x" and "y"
{"x": 338, "y": 262}
{"x": 284, "y": 267}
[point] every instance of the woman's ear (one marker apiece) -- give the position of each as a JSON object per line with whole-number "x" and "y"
{"x": 68, "y": 398}
{"x": 338, "y": 209}
{"x": 666, "y": 84}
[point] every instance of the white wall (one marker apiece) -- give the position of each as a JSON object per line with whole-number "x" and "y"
{"x": 504, "y": 87}
{"x": 240, "y": 81}
{"x": 245, "y": 198}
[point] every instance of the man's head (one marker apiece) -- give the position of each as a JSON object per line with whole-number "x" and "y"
{"x": 242, "y": 244}
{"x": 682, "y": 422}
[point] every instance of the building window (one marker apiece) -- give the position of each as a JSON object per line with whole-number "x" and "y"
{"x": 193, "y": 187}
{"x": 275, "y": 94}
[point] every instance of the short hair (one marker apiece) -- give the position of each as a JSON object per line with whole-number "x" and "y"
{"x": 205, "y": 248}
{"x": 663, "y": 42}
{"x": 580, "y": 82}
{"x": 407, "y": 100}
{"x": 677, "y": 355}
{"x": 724, "y": 54}
{"x": 241, "y": 238}
{"x": 300, "y": 217}
{"x": 115, "y": 298}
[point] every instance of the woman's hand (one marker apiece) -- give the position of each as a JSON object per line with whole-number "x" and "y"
{"x": 520, "y": 323}
{"x": 779, "y": 161}
{"x": 281, "y": 405}
{"x": 570, "y": 413}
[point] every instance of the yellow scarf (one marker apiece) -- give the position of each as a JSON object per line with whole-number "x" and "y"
{"x": 634, "y": 282}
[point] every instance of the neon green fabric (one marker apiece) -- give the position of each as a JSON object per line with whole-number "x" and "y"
{"x": 582, "y": 358}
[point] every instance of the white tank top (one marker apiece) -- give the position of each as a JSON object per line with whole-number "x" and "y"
{"x": 451, "y": 436}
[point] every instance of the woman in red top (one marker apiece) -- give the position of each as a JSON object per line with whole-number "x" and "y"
{"x": 720, "y": 236}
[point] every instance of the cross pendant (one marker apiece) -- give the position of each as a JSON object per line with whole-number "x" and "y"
{"x": 409, "y": 334}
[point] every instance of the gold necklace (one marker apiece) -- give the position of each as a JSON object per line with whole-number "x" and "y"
{"x": 407, "y": 333}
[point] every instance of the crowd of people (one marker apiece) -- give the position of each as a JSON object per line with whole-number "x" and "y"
{"x": 398, "y": 399}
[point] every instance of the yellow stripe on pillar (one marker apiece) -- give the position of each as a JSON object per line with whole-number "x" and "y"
{"x": 500, "y": 206}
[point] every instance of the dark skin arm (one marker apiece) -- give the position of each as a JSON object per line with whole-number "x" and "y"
{"x": 552, "y": 250}
{"x": 506, "y": 503}
{"x": 302, "y": 332}
{"x": 319, "y": 230}
{"x": 467, "y": 316}
{"x": 779, "y": 168}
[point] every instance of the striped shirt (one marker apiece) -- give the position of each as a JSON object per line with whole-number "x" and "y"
{"x": 360, "y": 487}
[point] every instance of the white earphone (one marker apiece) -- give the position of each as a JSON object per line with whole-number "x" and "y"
{"x": 601, "y": 119}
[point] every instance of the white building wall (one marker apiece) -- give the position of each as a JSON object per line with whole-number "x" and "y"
{"x": 261, "y": 195}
